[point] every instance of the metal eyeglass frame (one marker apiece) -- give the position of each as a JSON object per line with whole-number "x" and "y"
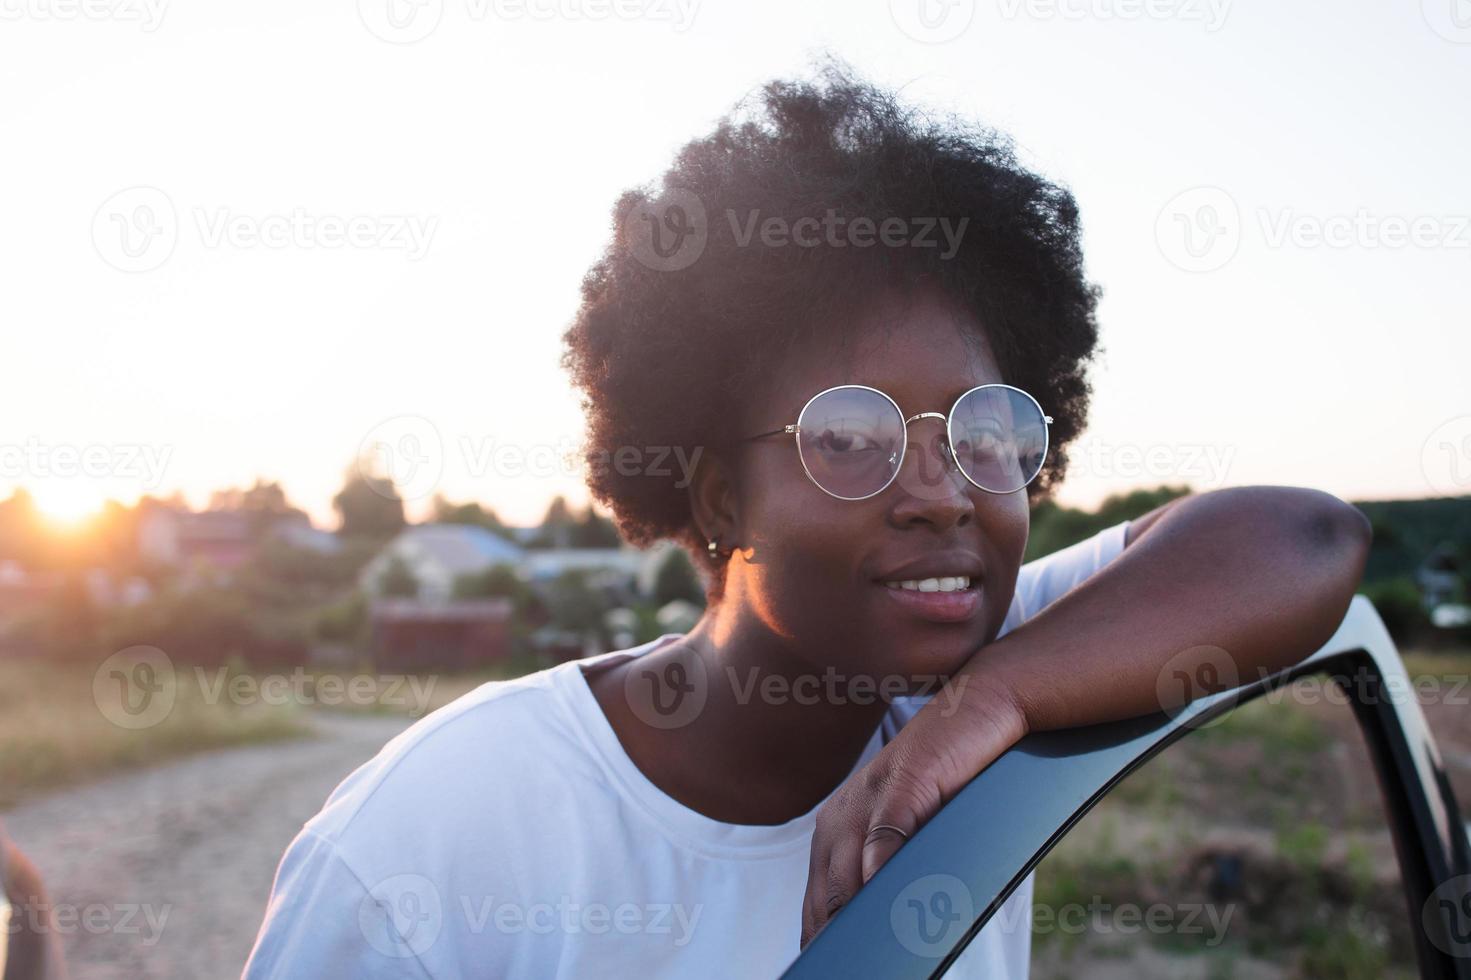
{"x": 795, "y": 429}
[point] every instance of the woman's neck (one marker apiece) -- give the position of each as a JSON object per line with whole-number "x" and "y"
{"x": 734, "y": 721}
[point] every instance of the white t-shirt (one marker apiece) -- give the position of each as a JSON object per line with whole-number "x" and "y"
{"x": 509, "y": 835}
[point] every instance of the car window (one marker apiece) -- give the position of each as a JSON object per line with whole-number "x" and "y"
{"x": 1256, "y": 846}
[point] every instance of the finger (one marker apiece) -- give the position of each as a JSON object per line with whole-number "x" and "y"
{"x": 831, "y": 885}
{"x": 882, "y": 841}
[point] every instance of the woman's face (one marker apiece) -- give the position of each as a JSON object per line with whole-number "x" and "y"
{"x": 815, "y": 569}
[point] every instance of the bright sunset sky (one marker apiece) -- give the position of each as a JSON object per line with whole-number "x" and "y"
{"x": 1262, "y": 354}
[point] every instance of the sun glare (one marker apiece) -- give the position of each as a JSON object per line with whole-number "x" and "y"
{"x": 67, "y": 504}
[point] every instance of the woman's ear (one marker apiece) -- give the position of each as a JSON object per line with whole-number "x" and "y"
{"x": 714, "y": 502}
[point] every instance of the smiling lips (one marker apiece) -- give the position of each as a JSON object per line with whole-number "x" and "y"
{"x": 940, "y": 599}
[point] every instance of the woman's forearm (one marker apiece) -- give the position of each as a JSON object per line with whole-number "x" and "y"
{"x": 1249, "y": 580}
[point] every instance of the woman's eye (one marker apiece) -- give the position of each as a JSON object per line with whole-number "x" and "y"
{"x": 847, "y": 442}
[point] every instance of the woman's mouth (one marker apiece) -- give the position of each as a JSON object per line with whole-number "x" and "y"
{"x": 940, "y": 599}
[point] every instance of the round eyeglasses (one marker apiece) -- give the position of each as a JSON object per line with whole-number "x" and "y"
{"x": 852, "y": 438}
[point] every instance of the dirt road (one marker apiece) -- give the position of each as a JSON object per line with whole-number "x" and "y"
{"x": 164, "y": 873}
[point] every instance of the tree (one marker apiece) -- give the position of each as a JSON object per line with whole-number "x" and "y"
{"x": 595, "y": 531}
{"x": 573, "y": 604}
{"x": 677, "y": 579}
{"x": 557, "y": 525}
{"x": 472, "y": 513}
{"x": 369, "y": 505}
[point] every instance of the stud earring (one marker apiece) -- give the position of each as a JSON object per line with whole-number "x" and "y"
{"x": 713, "y": 547}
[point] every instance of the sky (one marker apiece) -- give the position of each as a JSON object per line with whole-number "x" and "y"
{"x": 248, "y": 241}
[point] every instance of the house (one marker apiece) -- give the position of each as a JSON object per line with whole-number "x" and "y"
{"x": 417, "y": 635}
{"x": 438, "y": 554}
{"x": 221, "y": 539}
{"x": 1439, "y": 577}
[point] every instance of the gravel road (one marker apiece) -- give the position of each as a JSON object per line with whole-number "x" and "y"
{"x": 164, "y": 873}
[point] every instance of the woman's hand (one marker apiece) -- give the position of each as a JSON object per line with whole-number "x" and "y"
{"x": 947, "y": 743}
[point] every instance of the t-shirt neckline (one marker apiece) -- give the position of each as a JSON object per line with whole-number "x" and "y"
{"x": 680, "y": 822}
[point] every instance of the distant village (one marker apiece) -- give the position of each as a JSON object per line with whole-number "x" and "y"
{"x": 250, "y": 579}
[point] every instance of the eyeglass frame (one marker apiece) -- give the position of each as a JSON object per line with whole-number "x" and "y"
{"x": 795, "y": 429}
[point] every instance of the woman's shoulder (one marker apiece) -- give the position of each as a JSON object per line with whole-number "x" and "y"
{"x": 504, "y": 741}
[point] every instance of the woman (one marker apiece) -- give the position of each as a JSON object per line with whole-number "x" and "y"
{"x": 868, "y": 331}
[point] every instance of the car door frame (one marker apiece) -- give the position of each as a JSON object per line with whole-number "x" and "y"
{"x": 993, "y": 833}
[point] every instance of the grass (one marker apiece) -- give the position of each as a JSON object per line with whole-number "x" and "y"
{"x": 1286, "y": 789}
{"x": 53, "y": 732}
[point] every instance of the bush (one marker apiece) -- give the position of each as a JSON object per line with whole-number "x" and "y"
{"x": 1398, "y": 602}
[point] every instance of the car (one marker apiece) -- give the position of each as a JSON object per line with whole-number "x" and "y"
{"x": 30, "y": 947}
{"x": 1032, "y": 796}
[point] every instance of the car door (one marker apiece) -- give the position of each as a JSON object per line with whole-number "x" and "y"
{"x": 918, "y": 913}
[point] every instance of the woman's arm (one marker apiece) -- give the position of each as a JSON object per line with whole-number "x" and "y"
{"x": 1250, "y": 579}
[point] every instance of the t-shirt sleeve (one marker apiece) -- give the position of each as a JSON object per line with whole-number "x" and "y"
{"x": 1044, "y": 580}
{"x": 323, "y": 921}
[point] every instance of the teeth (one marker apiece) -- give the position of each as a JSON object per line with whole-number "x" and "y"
{"x": 948, "y": 583}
